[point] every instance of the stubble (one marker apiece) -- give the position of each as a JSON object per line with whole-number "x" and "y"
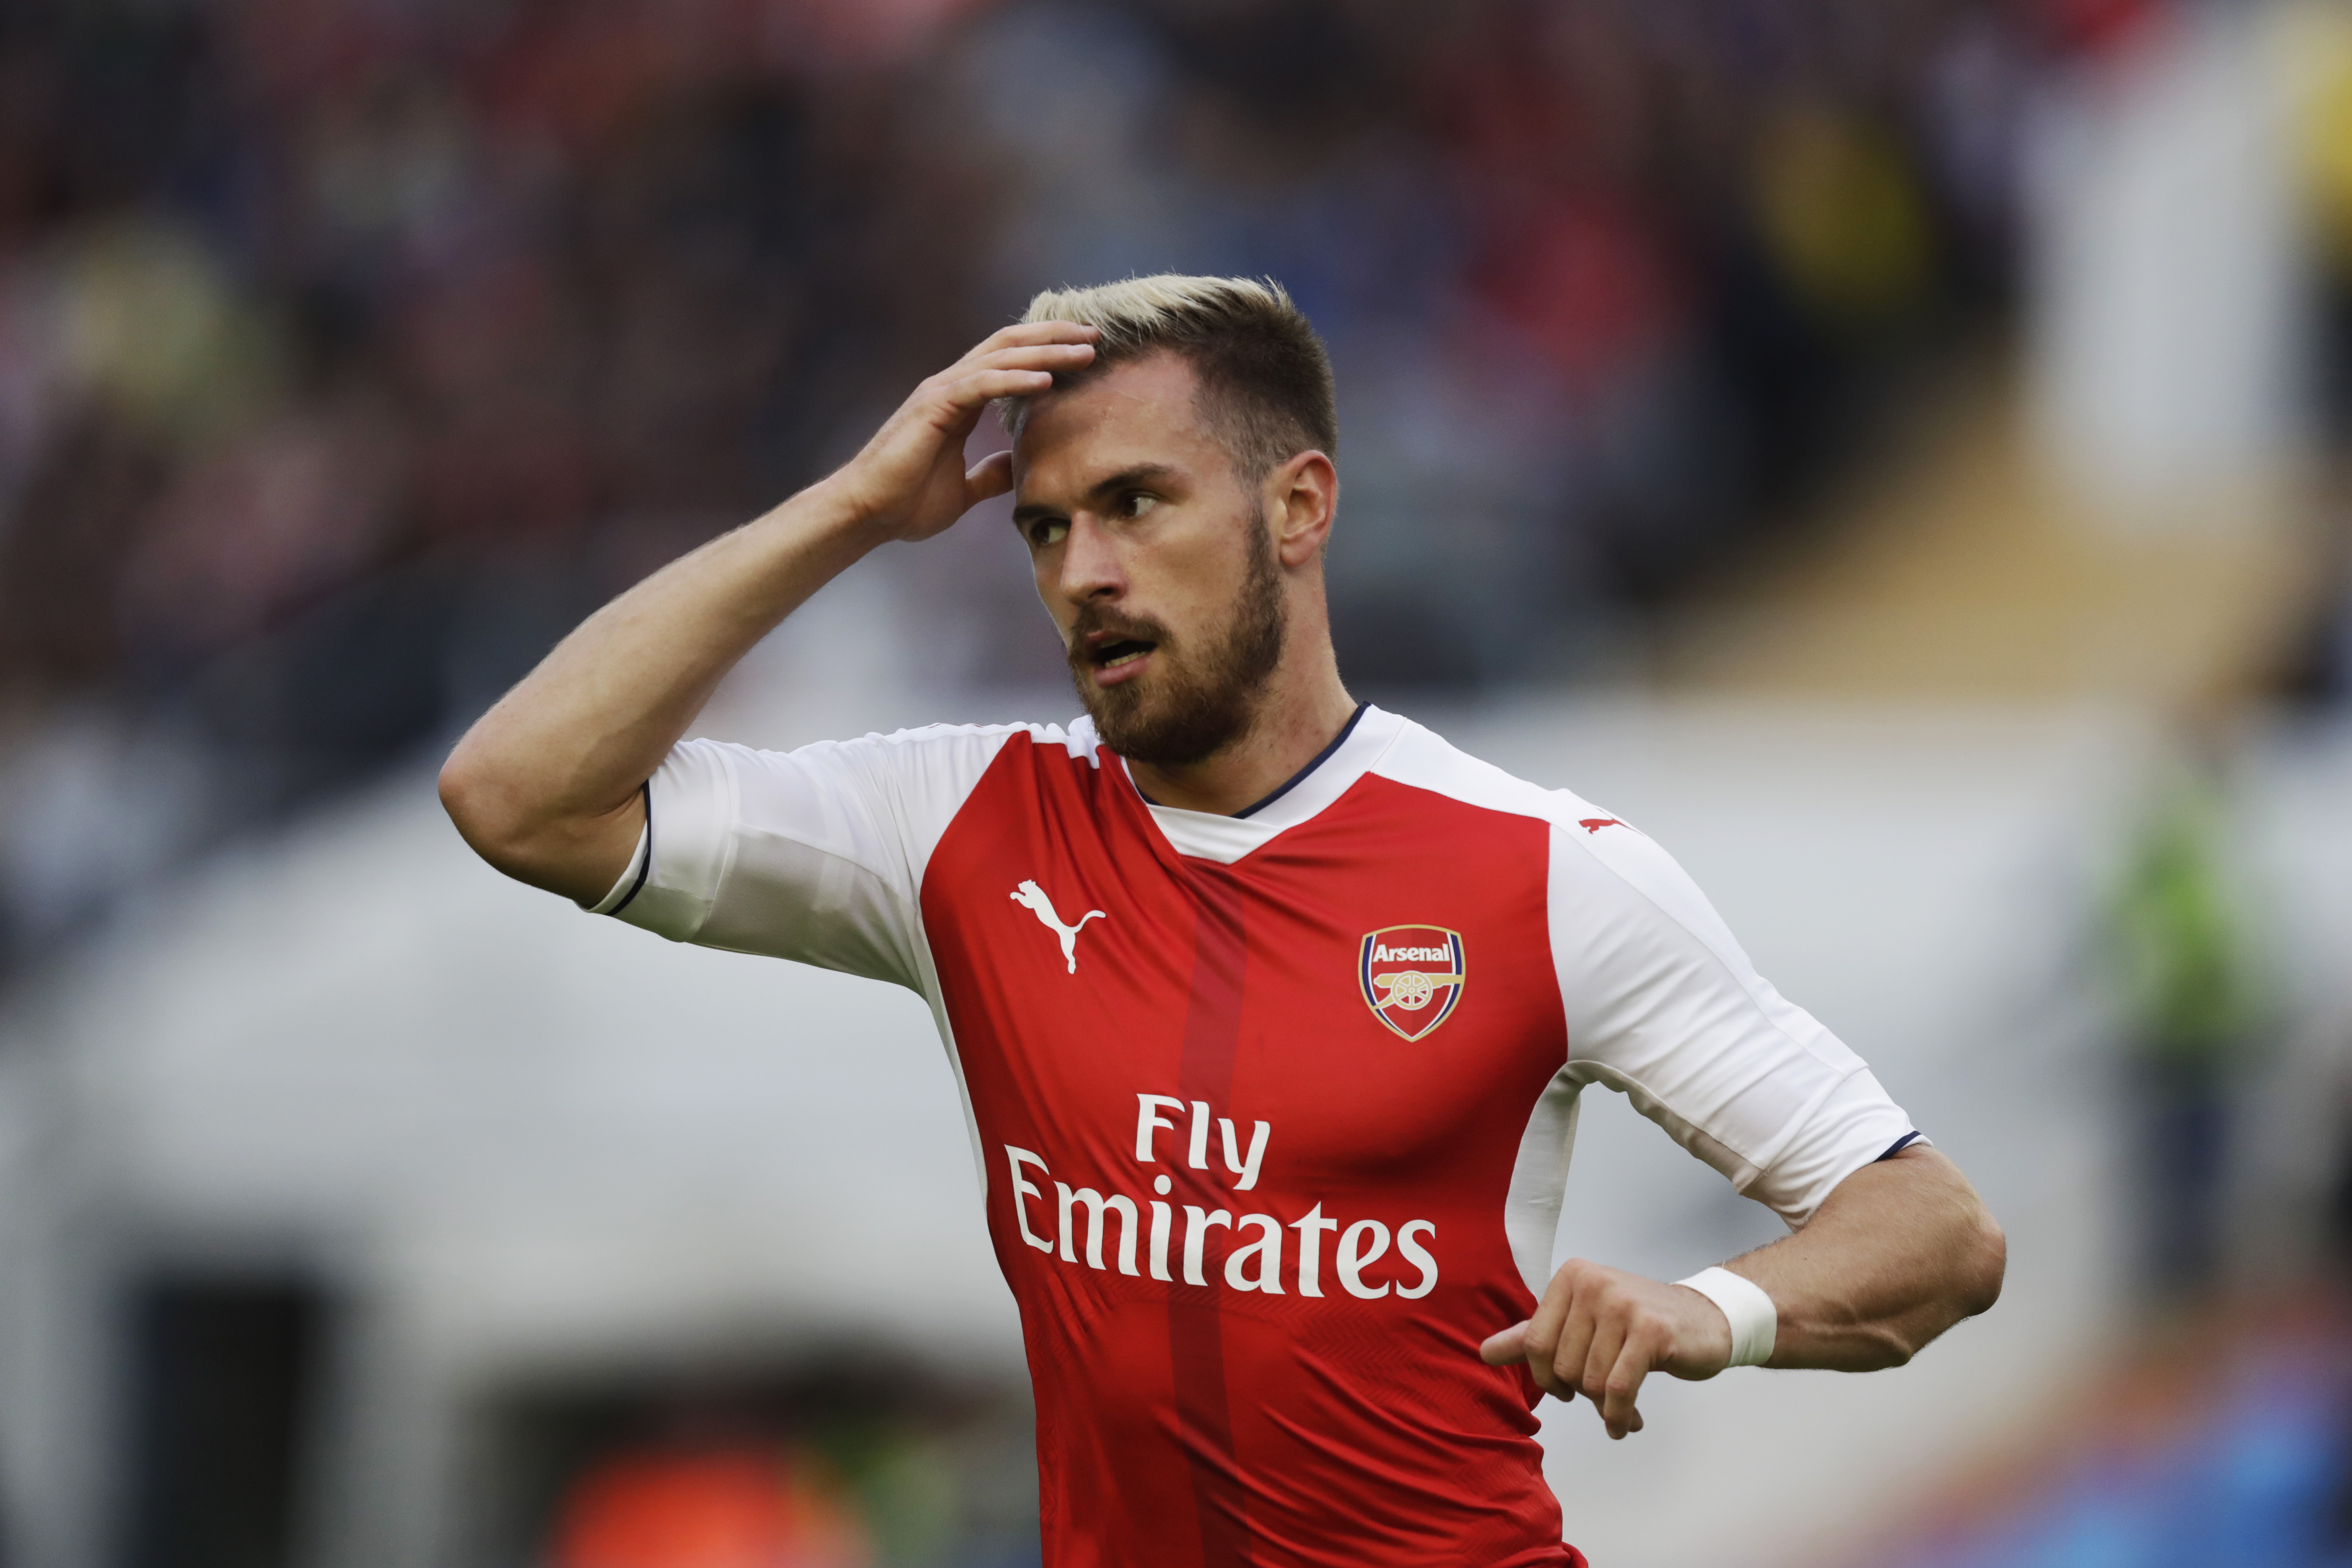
{"x": 1197, "y": 703}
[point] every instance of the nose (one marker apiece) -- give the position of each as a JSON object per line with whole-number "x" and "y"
{"x": 1091, "y": 564}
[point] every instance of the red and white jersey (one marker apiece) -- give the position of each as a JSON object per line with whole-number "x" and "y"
{"x": 1273, "y": 1111}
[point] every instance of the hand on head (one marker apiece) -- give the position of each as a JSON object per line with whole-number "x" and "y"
{"x": 911, "y": 481}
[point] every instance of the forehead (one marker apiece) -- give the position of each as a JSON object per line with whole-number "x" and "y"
{"x": 1138, "y": 413}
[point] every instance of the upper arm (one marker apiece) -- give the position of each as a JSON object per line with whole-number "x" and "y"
{"x": 1663, "y": 1004}
{"x": 816, "y": 855}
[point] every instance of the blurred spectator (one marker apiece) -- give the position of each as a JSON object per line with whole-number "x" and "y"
{"x": 2317, "y": 49}
{"x": 2192, "y": 1008}
{"x": 747, "y": 1508}
{"x": 858, "y": 1471}
{"x": 348, "y": 354}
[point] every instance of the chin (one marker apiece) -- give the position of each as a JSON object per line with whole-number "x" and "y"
{"x": 1172, "y": 734}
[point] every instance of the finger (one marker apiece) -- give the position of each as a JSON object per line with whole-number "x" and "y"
{"x": 1591, "y": 1376}
{"x": 1028, "y": 356}
{"x": 1503, "y": 1349}
{"x": 967, "y": 393}
{"x": 1067, "y": 358}
{"x": 1540, "y": 1344}
{"x": 1552, "y": 1313}
{"x": 1575, "y": 1347}
{"x": 992, "y": 475}
{"x": 1622, "y": 1386}
{"x": 1035, "y": 333}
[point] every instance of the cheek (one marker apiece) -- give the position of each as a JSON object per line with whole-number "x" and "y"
{"x": 1045, "y": 571}
{"x": 1199, "y": 578}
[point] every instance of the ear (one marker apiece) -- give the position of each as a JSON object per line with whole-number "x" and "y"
{"x": 1302, "y": 500}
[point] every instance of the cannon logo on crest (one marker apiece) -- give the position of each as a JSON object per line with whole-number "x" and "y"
{"x": 1412, "y": 977}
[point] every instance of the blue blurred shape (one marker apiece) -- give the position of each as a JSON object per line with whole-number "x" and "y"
{"x": 2254, "y": 1483}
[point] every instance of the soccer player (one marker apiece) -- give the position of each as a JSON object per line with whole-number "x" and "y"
{"x": 1269, "y": 1009}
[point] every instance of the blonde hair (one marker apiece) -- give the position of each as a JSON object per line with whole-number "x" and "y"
{"x": 1264, "y": 377}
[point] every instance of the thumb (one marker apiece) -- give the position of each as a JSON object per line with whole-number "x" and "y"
{"x": 1503, "y": 1349}
{"x": 992, "y": 475}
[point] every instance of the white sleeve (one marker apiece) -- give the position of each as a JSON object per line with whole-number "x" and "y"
{"x": 1663, "y": 1006}
{"x": 816, "y": 855}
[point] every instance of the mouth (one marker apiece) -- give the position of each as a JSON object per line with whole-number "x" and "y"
{"x": 1117, "y": 658}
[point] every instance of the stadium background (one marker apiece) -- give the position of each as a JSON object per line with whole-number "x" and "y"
{"x": 1890, "y": 449}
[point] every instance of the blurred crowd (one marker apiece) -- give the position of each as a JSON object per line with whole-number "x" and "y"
{"x": 350, "y": 349}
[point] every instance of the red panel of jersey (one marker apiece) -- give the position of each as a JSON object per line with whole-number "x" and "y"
{"x": 1252, "y": 1227}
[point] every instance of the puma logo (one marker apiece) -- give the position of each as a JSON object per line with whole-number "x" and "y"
{"x": 1595, "y": 824}
{"x": 1034, "y": 898}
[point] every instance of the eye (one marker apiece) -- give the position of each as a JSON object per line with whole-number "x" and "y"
{"x": 1137, "y": 504}
{"x": 1048, "y": 532}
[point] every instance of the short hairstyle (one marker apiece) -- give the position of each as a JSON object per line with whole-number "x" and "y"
{"x": 1264, "y": 377}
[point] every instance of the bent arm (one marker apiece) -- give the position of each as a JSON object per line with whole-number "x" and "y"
{"x": 1899, "y": 1251}
{"x": 545, "y": 785}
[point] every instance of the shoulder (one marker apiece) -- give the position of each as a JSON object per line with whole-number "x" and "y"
{"x": 917, "y": 779}
{"x": 1599, "y": 855}
{"x": 1422, "y": 759}
{"x": 926, "y": 750}
{"x": 1075, "y": 739}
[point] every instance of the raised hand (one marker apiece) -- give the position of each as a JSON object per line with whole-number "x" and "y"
{"x": 910, "y": 480}
{"x": 1601, "y": 1330}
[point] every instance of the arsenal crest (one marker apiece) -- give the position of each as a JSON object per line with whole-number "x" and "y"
{"x": 1412, "y": 977}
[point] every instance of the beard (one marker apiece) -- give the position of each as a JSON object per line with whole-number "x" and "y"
{"x": 1195, "y": 705}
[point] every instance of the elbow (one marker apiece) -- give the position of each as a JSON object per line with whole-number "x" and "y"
{"x": 1975, "y": 1263}
{"x": 1971, "y": 1284}
{"x": 1984, "y": 1265}
{"x": 483, "y": 810}
{"x": 506, "y": 815}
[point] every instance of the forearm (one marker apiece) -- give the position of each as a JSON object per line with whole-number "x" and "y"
{"x": 545, "y": 785}
{"x": 1899, "y": 1252}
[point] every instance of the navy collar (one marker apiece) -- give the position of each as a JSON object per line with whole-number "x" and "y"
{"x": 1294, "y": 780}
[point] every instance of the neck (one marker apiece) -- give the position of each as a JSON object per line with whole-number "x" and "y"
{"x": 1303, "y": 712}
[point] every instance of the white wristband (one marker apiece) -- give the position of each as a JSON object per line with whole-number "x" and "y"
{"x": 1755, "y": 1323}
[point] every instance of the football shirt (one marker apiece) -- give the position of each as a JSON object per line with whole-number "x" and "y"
{"x": 1272, "y": 1112}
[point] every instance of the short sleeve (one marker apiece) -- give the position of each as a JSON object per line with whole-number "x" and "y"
{"x": 814, "y": 855}
{"x": 1663, "y": 1006}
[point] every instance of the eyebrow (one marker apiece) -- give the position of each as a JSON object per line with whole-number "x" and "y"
{"x": 1126, "y": 478}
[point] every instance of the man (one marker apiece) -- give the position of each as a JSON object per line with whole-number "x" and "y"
{"x": 1270, "y": 1010}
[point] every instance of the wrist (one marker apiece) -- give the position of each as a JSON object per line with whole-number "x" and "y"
{"x": 1755, "y": 1323}
{"x": 836, "y": 511}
